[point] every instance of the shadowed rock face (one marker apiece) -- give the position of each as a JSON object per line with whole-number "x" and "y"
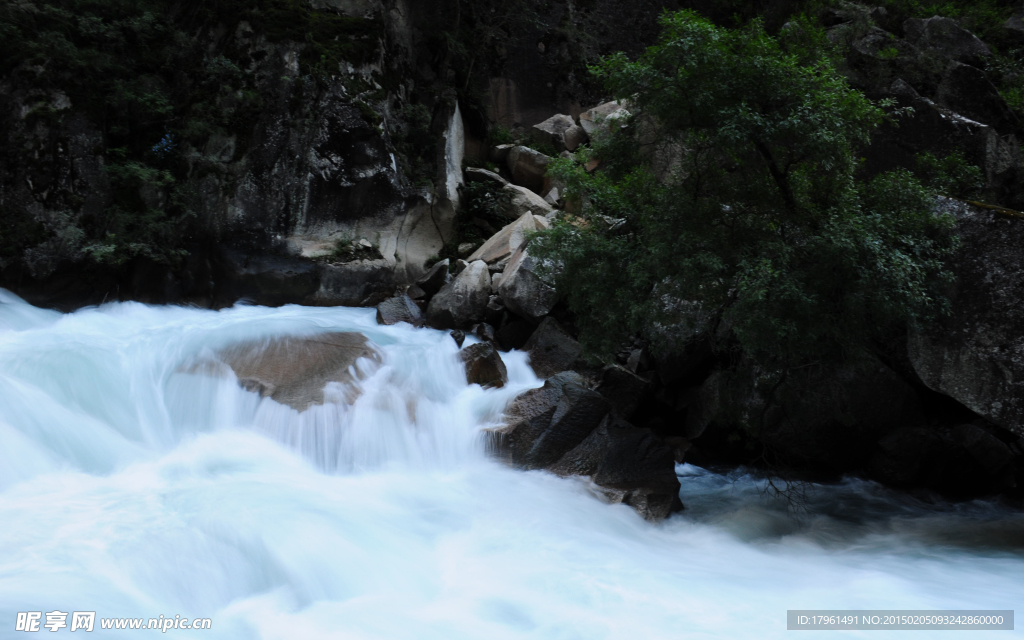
{"x": 976, "y": 354}
{"x": 295, "y": 370}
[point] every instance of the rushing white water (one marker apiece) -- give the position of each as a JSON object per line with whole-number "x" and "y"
{"x": 134, "y": 490}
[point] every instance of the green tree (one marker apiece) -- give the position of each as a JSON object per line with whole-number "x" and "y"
{"x": 761, "y": 224}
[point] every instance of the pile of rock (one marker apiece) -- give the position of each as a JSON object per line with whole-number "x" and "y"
{"x": 576, "y": 424}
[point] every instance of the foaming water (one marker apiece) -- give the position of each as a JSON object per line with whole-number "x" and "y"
{"x": 133, "y": 489}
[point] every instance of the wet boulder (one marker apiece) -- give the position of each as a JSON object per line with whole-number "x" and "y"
{"x": 463, "y": 301}
{"x": 543, "y": 424}
{"x": 568, "y": 429}
{"x": 976, "y": 353}
{"x": 483, "y": 365}
{"x": 630, "y": 465}
{"x": 356, "y": 283}
{"x": 296, "y": 370}
{"x": 552, "y": 350}
{"x": 400, "y": 308}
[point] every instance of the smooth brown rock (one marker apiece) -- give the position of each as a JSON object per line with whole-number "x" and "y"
{"x": 484, "y": 366}
{"x": 294, "y": 370}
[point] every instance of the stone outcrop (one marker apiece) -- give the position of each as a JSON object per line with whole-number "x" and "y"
{"x": 295, "y": 371}
{"x": 630, "y": 465}
{"x": 976, "y": 355}
{"x": 484, "y": 366}
{"x": 463, "y": 301}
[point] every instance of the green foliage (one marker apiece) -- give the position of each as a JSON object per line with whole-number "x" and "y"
{"x": 764, "y": 227}
{"x": 500, "y": 135}
{"x": 951, "y": 175}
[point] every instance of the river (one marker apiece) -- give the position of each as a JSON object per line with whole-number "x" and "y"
{"x": 133, "y": 489}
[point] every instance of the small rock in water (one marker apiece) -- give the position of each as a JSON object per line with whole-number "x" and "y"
{"x": 484, "y": 366}
{"x": 400, "y": 308}
{"x": 458, "y": 336}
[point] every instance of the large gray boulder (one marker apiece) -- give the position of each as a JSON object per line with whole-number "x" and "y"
{"x": 294, "y": 370}
{"x": 560, "y": 131}
{"x": 552, "y": 350}
{"x": 976, "y": 355}
{"x": 522, "y": 201}
{"x": 501, "y": 245}
{"x": 968, "y": 91}
{"x": 400, "y": 308}
{"x": 463, "y": 301}
{"x": 944, "y": 37}
{"x": 604, "y": 117}
{"x": 356, "y": 283}
{"x": 528, "y": 167}
{"x": 522, "y": 289}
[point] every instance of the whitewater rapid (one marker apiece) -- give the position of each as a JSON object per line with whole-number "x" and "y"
{"x": 133, "y": 489}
